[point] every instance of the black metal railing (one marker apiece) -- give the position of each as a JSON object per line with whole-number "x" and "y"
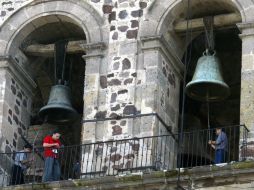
{"x": 128, "y": 155}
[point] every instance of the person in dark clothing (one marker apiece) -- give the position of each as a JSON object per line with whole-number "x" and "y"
{"x": 20, "y": 165}
{"x": 76, "y": 170}
{"x": 220, "y": 146}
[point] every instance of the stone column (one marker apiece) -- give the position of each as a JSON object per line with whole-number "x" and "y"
{"x": 247, "y": 87}
{"x": 15, "y": 103}
{"x": 163, "y": 73}
{"x": 15, "y": 106}
{"x": 94, "y": 67}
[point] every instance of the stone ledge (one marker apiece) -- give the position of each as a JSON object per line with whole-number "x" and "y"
{"x": 198, "y": 177}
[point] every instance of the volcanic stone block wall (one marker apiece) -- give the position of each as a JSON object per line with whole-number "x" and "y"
{"x": 247, "y": 81}
{"x": 122, "y": 81}
{"x": 15, "y": 109}
{"x": 128, "y": 82}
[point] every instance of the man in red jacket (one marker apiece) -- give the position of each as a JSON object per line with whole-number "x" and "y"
{"x": 51, "y": 144}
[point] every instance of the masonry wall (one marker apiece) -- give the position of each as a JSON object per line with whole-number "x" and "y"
{"x": 131, "y": 72}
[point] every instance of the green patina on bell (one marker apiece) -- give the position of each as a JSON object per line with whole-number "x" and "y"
{"x": 207, "y": 83}
{"x": 59, "y": 109}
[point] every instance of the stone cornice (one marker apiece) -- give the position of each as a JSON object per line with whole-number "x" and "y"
{"x": 93, "y": 46}
{"x": 160, "y": 43}
{"x": 246, "y": 28}
{"x": 21, "y": 75}
{"x": 93, "y": 50}
{"x": 244, "y": 25}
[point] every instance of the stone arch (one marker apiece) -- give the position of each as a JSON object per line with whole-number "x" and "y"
{"x": 160, "y": 15}
{"x": 79, "y": 12}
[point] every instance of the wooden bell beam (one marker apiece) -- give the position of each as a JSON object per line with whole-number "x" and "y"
{"x": 48, "y": 50}
{"x": 223, "y": 20}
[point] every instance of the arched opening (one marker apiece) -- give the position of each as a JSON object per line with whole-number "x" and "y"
{"x": 196, "y": 150}
{"x": 37, "y": 46}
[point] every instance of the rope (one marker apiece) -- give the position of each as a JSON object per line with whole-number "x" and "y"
{"x": 186, "y": 63}
{"x": 208, "y": 25}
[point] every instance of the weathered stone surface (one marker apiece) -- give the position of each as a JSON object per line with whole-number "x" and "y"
{"x": 13, "y": 89}
{"x": 113, "y": 122}
{"x": 112, "y": 28}
{"x": 103, "y": 82}
{"x": 126, "y": 64}
{"x": 128, "y": 81}
{"x": 121, "y": 1}
{"x": 110, "y": 75}
{"x": 117, "y": 130}
{"x": 134, "y": 74}
{"x": 107, "y": 1}
{"x": 9, "y": 120}
{"x": 124, "y": 74}
{"x": 116, "y": 58}
{"x": 19, "y": 131}
{"x": 134, "y": 23}
{"x": 15, "y": 118}
{"x": 129, "y": 110}
{"x": 114, "y": 82}
{"x": 132, "y": 34}
{"x": 10, "y": 112}
{"x": 115, "y": 116}
{"x": 8, "y": 149}
{"x": 16, "y": 109}
{"x": 116, "y": 65}
{"x": 123, "y": 14}
{"x": 17, "y": 102}
{"x": 142, "y": 4}
{"x": 113, "y": 97}
{"x": 107, "y": 9}
{"x": 112, "y": 16}
{"x": 25, "y": 103}
{"x": 137, "y": 13}
{"x": 2, "y": 13}
{"x": 19, "y": 95}
{"x": 115, "y": 36}
{"x": 115, "y": 108}
{"x": 122, "y": 28}
{"x": 14, "y": 143}
{"x": 123, "y": 123}
{"x": 122, "y": 91}
{"x": 100, "y": 115}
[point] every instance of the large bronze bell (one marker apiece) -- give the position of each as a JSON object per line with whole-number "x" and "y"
{"x": 207, "y": 83}
{"x": 59, "y": 109}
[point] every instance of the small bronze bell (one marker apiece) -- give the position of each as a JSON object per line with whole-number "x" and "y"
{"x": 207, "y": 83}
{"x": 59, "y": 109}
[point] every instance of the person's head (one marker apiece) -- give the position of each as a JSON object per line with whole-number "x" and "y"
{"x": 218, "y": 130}
{"x": 28, "y": 148}
{"x": 56, "y": 135}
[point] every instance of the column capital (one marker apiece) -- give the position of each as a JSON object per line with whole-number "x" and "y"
{"x": 159, "y": 43}
{"x": 93, "y": 50}
{"x": 246, "y": 28}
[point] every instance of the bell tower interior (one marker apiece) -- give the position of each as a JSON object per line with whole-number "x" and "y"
{"x": 38, "y": 47}
{"x": 224, "y": 113}
{"x": 192, "y": 42}
{"x": 228, "y": 50}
